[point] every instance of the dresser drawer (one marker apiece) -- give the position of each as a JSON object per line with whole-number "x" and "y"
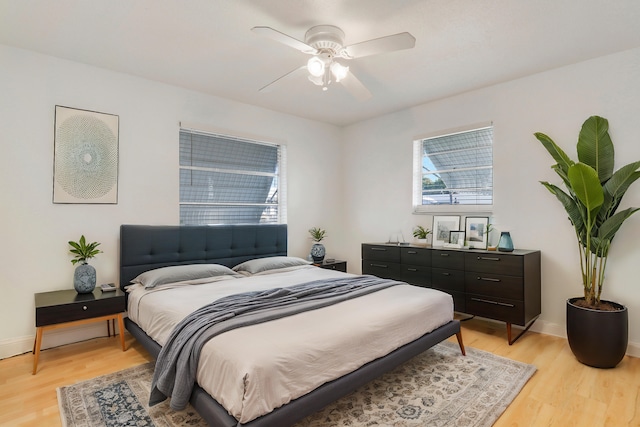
{"x": 509, "y": 311}
{"x": 381, "y": 253}
{"x": 442, "y": 278}
{"x": 386, "y": 270}
{"x": 447, "y": 259}
{"x": 49, "y": 315}
{"x": 416, "y": 274}
{"x": 494, "y": 285}
{"x": 415, "y": 256}
{"x": 509, "y": 265}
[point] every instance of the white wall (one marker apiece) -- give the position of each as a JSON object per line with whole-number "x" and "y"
{"x": 378, "y": 174}
{"x": 34, "y": 253}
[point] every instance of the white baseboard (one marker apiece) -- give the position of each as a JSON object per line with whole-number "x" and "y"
{"x": 54, "y": 338}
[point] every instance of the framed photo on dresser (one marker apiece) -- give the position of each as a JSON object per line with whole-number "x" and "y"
{"x": 476, "y": 231}
{"x": 443, "y": 225}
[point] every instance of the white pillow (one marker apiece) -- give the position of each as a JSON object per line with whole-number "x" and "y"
{"x": 179, "y": 273}
{"x": 258, "y": 265}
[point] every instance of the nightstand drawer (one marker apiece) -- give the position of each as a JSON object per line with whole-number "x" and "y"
{"x": 334, "y": 265}
{"x": 83, "y": 307}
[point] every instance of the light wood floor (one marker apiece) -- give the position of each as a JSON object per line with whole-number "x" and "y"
{"x": 561, "y": 393}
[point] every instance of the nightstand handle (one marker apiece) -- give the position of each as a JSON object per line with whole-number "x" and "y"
{"x": 84, "y": 307}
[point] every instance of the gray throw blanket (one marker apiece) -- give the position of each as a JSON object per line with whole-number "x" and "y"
{"x": 175, "y": 371}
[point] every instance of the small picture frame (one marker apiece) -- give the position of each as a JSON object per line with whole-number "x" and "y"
{"x": 456, "y": 238}
{"x": 442, "y": 227}
{"x": 476, "y": 231}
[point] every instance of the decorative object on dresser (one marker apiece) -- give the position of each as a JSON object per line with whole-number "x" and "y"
{"x": 85, "y": 167}
{"x": 477, "y": 232}
{"x": 442, "y": 226}
{"x": 84, "y": 277}
{"x": 317, "y": 250}
{"x": 421, "y": 233}
{"x": 597, "y": 330}
{"x": 505, "y": 244}
{"x": 61, "y": 309}
{"x": 499, "y": 286}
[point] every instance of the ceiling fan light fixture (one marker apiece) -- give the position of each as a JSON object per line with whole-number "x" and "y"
{"x": 315, "y": 66}
{"x": 339, "y": 71}
{"x": 316, "y": 80}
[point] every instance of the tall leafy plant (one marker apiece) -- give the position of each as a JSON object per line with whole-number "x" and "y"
{"x": 594, "y": 192}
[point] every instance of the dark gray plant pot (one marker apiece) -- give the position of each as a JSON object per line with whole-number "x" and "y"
{"x": 597, "y": 338}
{"x": 84, "y": 279}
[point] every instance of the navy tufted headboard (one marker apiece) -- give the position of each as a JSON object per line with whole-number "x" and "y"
{"x": 145, "y": 247}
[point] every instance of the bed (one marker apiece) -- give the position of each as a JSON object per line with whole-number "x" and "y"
{"x": 144, "y": 248}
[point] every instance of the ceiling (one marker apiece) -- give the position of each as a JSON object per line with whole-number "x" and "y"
{"x": 207, "y": 45}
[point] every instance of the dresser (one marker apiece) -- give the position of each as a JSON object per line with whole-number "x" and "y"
{"x": 503, "y": 286}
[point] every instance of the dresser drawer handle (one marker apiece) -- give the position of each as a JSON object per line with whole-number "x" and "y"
{"x": 446, "y": 274}
{"x": 379, "y": 265}
{"x": 488, "y": 279}
{"x": 379, "y": 249}
{"x": 412, "y": 269}
{"x": 443, "y": 254}
{"x": 412, "y": 252}
{"x": 486, "y": 258}
{"x": 493, "y": 302}
{"x": 84, "y": 307}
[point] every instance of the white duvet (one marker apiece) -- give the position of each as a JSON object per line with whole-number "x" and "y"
{"x": 253, "y": 370}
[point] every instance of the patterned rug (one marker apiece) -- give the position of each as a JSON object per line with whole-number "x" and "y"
{"x": 440, "y": 387}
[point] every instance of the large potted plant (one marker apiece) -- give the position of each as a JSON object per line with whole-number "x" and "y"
{"x": 597, "y": 329}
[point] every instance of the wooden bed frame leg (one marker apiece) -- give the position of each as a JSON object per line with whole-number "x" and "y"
{"x": 459, "y": 336}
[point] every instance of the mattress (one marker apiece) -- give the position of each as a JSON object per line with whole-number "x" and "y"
{"x": 252, "y": 370}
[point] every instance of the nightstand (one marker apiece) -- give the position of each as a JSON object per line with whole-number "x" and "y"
{"x": 61, "y": 309}
{"x": 334, "y": 264}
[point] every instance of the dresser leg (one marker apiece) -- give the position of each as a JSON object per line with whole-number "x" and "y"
{"x": 36, "y": 349}
{"x": 511, "y": 341}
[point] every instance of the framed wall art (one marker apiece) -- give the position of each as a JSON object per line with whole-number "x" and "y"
{"x": 442, "y": 226}
{"x": 476, "y": 230}
{"x": 85, "y": 164}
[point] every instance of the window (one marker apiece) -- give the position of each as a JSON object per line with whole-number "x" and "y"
{"x": 227, "y": 180}
{"x": 454, "y": 171}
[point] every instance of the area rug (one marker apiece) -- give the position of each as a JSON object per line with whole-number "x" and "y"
{"x": 440, "y": 387}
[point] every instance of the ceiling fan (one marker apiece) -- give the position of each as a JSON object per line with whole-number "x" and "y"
{"x": 326, "y": 45}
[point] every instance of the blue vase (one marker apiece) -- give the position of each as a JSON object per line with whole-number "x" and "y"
{"x": 84, "y": 279}
{"x": 505, "y": 244}
{"x": 317, "y": 252}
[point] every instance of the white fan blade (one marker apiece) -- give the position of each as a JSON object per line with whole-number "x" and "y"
{"x": 355, "y": 87}
{"x": 381, "y": 45}
{"x": 268, "y": 87}
{"x": 284, "y": 39}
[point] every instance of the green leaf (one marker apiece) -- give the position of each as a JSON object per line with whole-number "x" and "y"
{"x": 616, "y": 187}
{"x": 564, "y": 162}
{"x": 586, "y": 186}
{"x": 610, "y": 227}
{"x": 595, "y": 147}
{"x": 571, "y": 206}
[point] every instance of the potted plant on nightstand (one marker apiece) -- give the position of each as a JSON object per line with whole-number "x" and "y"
{"x": 421, "y": 234}
{"x": 84, "y": 278}
{"x": 597, "y": 330}
{"x": 317, "y": 250}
